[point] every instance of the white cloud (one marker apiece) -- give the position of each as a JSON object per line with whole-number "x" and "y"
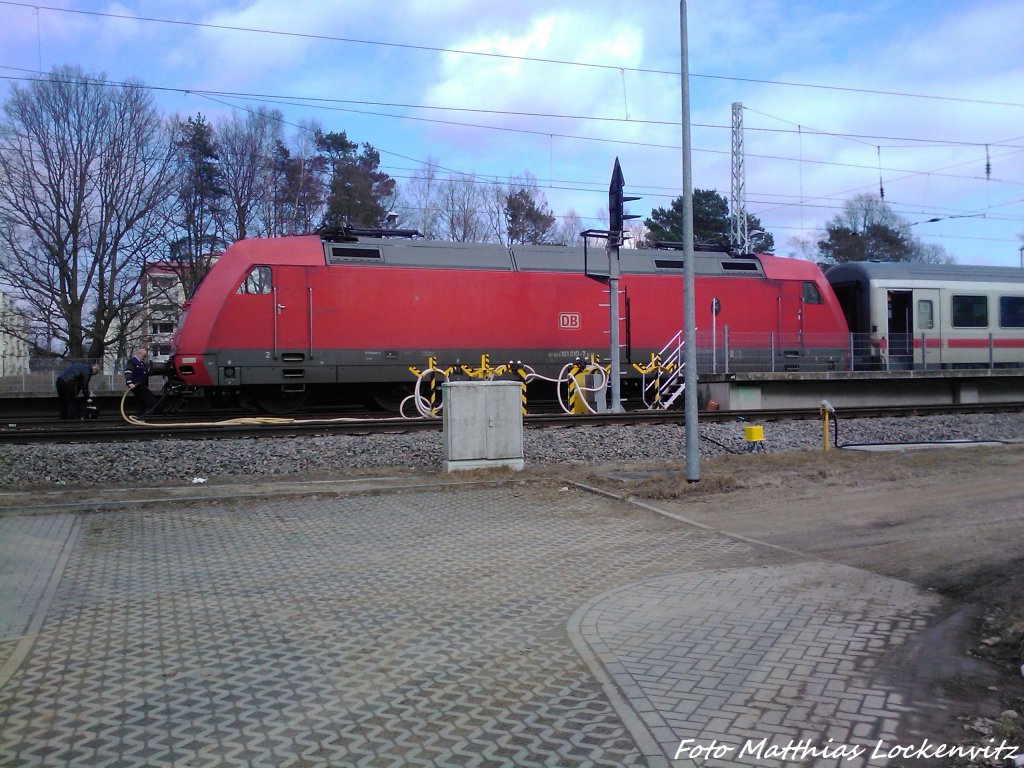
{"x": 970, "y": 50}
{"x": 925, "y": 57}
{"x": 514, "y": 85}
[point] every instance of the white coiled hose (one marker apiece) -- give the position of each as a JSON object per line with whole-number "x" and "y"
{"x": 424, "y": 408}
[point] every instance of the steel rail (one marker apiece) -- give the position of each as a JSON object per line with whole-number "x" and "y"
{"x": 105, "y": 431}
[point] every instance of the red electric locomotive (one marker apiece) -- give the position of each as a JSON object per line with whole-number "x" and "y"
{"x": 278, "y": 319}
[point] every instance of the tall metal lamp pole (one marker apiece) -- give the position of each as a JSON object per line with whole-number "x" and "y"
{"x": 691, "y": 433}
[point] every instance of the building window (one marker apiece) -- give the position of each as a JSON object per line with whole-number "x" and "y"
{"x": 161, "y": 328}
{"x": 970, "y": 311}
{"x": 257, "y": 281}
{"x": 1011, "y": 311}
{"x": 163, "y": 283}
{"x": 925, "y": 315}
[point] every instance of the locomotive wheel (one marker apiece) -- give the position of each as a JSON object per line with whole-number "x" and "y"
{"x": 272, "y": 400}
{"x": 173, "y": 396}
{"x": 389, "y": 397}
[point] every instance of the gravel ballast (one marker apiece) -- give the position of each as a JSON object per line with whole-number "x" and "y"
{"x": 176, "y": 461}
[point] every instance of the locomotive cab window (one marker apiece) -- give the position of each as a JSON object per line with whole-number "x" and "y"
{"x": 811, "y": 294}
{"x": 970, "y": 311}
{"x": 256, "y": 282}
{"x": 1011, "y": 311}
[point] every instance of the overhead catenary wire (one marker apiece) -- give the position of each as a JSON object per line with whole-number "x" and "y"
{"x": 645, "y": 144}
{"x": 922, "y": 142}
{"x": 316, "y": 103}
{"x": 673, "y": 194}
{"x": 495, "y": 55}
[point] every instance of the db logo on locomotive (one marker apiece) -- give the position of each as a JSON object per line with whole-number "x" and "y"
{"x": 569, "y": 321}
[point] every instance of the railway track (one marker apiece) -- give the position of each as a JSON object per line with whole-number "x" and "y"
{"x": 159, "y": 428}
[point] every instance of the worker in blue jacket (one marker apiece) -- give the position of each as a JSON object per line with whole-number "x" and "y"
{"x": 72, "y": 386}
{"x": 136, "y": 377}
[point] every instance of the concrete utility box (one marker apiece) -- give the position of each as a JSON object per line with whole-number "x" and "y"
{"x": 483, "y": 425}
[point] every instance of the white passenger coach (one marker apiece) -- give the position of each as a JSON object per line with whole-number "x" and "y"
{"x": 904, "y": 316}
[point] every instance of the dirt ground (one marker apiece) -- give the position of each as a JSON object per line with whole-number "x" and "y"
{"x": 949, "y": 520}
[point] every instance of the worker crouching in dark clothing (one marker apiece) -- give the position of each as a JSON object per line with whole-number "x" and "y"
{"x": 72, "y": 386}
{"x": 136, "y": 376}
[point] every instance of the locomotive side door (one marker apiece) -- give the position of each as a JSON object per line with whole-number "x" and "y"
{"x": 293, "y": 332}
{"x": 789, "y": 342}
{"x": 791, "y": 313}
{"x": 927, "y": 327}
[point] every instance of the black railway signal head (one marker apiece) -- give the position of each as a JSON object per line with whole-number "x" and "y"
{"x": 616, "y": 204}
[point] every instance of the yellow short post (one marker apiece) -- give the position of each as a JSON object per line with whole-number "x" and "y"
{"x": 827, "y": 412}
{"x": 577, "y": 397}
{"x": 656, "y": 361}
{"x": 754, "y": 435}
{"x": 521, "y": 373}
{"x": 431, "y": 365}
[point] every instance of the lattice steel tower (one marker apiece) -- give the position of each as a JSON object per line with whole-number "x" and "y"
{"x": 738, "y": 235}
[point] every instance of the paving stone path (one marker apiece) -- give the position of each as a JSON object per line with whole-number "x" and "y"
{"x": 747, "y": 658}
{"x": 486, "y": 626}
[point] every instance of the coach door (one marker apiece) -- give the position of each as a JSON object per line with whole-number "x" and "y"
{"x": 293, "y": 318}
{"x": 927, "y": 328}
{"x": 900, "y": 328}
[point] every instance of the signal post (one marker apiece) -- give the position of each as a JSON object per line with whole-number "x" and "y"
{"x": 616, "y": 218}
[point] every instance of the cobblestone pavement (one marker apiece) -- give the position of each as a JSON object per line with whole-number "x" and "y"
{"x": 746, "y": 658}
{"x": 33, "y": 551}
{"x": 506, "y": 625}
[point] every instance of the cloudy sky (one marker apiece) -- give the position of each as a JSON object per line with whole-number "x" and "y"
{"x": 922, "y": 99}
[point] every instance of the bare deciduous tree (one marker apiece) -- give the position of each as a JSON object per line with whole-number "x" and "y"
{"x": 636, "y": 234}
{"x": 460, "y": 216}
{"x": 567, "y": 230}
{"x": 83, "y": 167}
{"x": 246, "y": 150}
{"x": 196, "y": 221}
{"x": 421, "y": 201}
{"x": 294, "y": 197}
{"x": 805, "y": 248}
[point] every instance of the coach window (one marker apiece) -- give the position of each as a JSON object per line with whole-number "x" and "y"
{"x": 257, "y": 281}
{"x": 925, "y": 315}
{"x": 970, "y": 311}
{"x": 1011, "y": 311}
{"x": 811, "y": 294}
